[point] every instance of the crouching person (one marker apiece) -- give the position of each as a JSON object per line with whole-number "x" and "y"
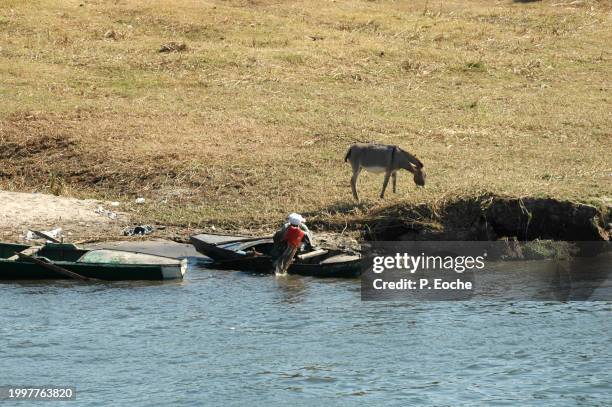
{"x": 288, "y": 240}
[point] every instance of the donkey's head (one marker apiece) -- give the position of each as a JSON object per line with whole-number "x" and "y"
{"x": 419, "y": 176}
{"x": 414, "y": 165}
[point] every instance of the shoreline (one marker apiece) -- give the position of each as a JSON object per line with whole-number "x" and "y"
{"x": 486, "y": 217}
{"x": 491, "y": 217}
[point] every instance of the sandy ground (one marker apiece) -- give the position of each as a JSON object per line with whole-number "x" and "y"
{"x": 83, "y": 222}
{"x": 79, "y": 219}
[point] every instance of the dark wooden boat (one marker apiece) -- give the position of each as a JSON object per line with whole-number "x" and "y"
{"x": 254, "y": 254}
{"x": 99, "y": 264}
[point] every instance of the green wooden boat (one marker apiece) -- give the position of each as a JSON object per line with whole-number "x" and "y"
{"x": 99, "y": 264}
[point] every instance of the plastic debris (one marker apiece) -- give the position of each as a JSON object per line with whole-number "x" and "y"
{"x": 140, "y": 200}
{"x": 114, "y": 204}
{"x": 139, "y": 230}
{"x": 101, "y": 211}
{"x": 55, "y": 234}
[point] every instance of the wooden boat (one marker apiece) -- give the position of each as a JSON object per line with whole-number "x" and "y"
{"x": 95, "y": 264}
{"x": 254, "y": 254}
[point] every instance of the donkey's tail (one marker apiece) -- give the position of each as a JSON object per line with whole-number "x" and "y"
{"x": 348, "y": 154}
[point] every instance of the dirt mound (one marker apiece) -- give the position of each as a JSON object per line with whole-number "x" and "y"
{"x": 491, "y": 218}
{"x": 32, "y": 146}
{"x": 84, "y": 151}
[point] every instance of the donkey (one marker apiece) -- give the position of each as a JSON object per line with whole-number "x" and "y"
{"x": 379, "y": 158}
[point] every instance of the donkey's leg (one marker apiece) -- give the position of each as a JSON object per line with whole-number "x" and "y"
{"x": 394, "y": 177}
{"x": 385, "y": 182}
{"x": 356, "y": 171}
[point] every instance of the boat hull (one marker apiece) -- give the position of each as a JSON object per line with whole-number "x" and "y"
{"x": 25, "y": 270}
{"x": 264, "y": 265}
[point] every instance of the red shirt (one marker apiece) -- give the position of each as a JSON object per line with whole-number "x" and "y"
{"x": 294, "y": 236}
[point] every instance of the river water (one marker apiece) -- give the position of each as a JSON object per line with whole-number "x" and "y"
{"x": 223, "y": 338}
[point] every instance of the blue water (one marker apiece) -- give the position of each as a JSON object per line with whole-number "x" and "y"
{"x": 233, "y": 339}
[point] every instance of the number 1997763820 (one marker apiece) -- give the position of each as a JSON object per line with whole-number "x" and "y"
{"x": 37, "y": 393}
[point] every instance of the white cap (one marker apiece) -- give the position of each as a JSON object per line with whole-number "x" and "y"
{"x": 296, "y": 219}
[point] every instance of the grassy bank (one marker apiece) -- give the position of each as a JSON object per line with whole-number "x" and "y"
{"x": 252, "y": 119}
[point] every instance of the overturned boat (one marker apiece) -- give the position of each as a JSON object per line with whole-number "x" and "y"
{"x": 64, "y": 260}
{"x": 254, "y": 254}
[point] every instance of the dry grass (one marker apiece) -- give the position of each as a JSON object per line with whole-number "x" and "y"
{"x": 251, "y": 120}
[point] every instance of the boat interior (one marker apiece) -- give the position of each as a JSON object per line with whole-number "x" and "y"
{"x": 51, "y": 251}
{"x": 317, "y": 256}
